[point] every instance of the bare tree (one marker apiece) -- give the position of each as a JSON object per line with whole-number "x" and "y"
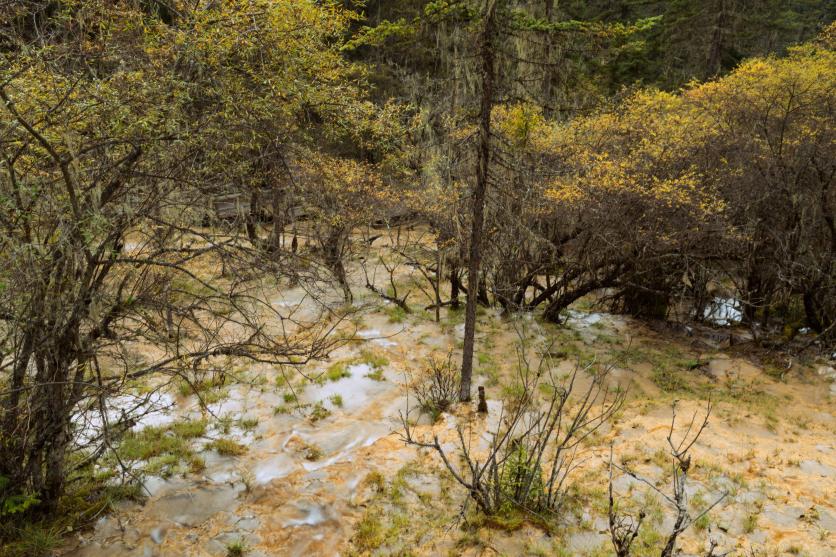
{"x": 391, "y": 260}
{"x": 530, "y": 457}
{"x": 624, "y": 529}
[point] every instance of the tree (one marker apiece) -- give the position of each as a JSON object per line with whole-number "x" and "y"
{"x": 111, "y": 148}
{"x": 487, "y": 54}
{"x": 625, "y": 529}
{"x": 700, "y": 40}
{"x": 342, "y": 195}
{"x": 667, "y": 186}
{"x": 773, "y": 113}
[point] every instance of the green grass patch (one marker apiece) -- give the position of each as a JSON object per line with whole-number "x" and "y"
{"x": 89, "y": 495}
{"x": 319, "y": 412}
{"x": 236, "y": 548}
{"x": 165, "y": 450}
{"x": 248, "y": 423}
{"x": 189, "y": 429}
{"x": 227, "y": 447}
{"x": 208, "y": 390}
{"x": 394, "y": 313}
{"x": 488, "y": 367}
{"x": 513, "y": 392}
{"x": 335, "y": 372}
{"x": 369, "y": 531}
{"x": 376, "y": 374}
{"x": 372, "y": 358}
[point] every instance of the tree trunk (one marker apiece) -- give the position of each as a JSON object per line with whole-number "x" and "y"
{"x": 552, "y": 311}
{"x": 10, "y": 406}
{"x": 549, "y": 98}
{"x": 334, "y": 246}
{"x": 479, "y": 194}
{"x": 646, "y": 302}
{"x": 42, "y": 466}
{"x": 278, "y": 209}
{"x": 754, "y": 295}
{"x": 439, "y": 264}
{"x": 483, "y": 297}
{"x": 252, "y": 218}
{"x": 715, "y": 51}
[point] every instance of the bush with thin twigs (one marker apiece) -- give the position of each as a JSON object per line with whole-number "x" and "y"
{"x": 625, "y": 529}
{"x": 436, "y": 387}
{"x": 529, "y": 458}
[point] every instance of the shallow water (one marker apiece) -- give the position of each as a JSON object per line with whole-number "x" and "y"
{"x": 282, "y": 501}
{"x": 723, "y": 311}
{"x": 151, "y": 410}
{"x": 313, "y": 490}
{"x": 356, "y": 390}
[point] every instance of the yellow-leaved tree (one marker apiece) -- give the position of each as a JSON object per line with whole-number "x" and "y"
{"x": 730, "y": 180}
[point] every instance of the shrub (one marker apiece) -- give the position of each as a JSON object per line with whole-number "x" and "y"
{"x": 437, "y": 386}
{"x": 531, "y": 455}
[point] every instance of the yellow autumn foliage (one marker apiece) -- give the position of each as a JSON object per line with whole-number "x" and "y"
{"x": 662, "y": 147}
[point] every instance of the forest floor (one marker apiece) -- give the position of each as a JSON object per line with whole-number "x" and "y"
{"x": 285, "y": 466}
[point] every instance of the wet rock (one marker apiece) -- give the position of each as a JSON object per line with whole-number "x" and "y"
{"x": 107, "y": 528}
{"x": 826, "y": 519}
{"x": 232, "y": 405}
{"x": 248, "y": 523}
{"x": 224, "y": 476}
{"x": 758, "y": 536}
{"x": 749, "y": 497}
{"x": 305, "y": 513}
{"x": 195, "y": 506}
{"x": 783, "y": 517}
{"x": 158, "y": 535}
{"x": 626, "y": 484}
{"x": 425, "y": 484}
{"x": 725, "y": 484}
{"x": 817, "y": 469}
{"x": 828, "y": 372}
{"x": 274, "y": 467}
{"x": 108, "y": 550}
{"x": 585, "y": 542}
{"x": 155, "y": 485}
{"x": 356, "y": 391}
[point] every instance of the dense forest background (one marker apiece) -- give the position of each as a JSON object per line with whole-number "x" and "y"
{"x": 681, "y": 41}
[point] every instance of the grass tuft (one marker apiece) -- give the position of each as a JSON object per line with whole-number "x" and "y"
{"x": 227, "y": 447}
